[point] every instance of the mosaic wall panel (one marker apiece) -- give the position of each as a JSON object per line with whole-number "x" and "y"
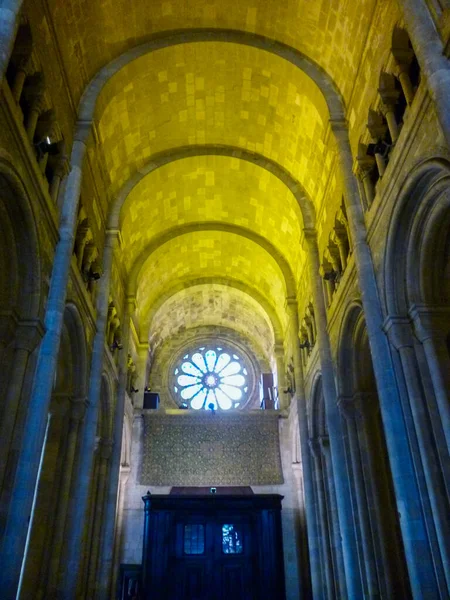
{"x": 211, "y": 450}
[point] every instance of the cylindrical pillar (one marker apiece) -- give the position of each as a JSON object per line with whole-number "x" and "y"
{"x": 311, "y": 519}
{"x": 98, "y": 523}
{"x": 430, "y": 327}
{"x": 107, "y": 549}
{"x": 417, "y": 549}
{"x": 381, "y": 164}
{"x": 400, "y": 335}
{"x": 352, "y": 415}
{"x": 36, "y": 109}
{"x": 27, "y": 336}
{"x": 147, "y": 499}
{"x": 34, "y": 432}
{"x": 429, "y": 50}
{"x": 405, "y": 82}
{"x": 334, "y": 425}
{"x": 391, "y": 120}
{"x": 68, "y": 582}
{"x": 340, "y": 583}
{"x": 78, "y": 407}
{"x": 323, "y": 525}
{"x": 19, "y": 80}
{"x": 281, "y": 378}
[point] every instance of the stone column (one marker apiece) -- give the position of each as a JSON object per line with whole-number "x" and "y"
{"x": 389, "y": 112}
{"x": 107, "y": 549}
{"x": 399, "y": 333}
{"x": 68, "y": 582}
{"x": 417, "y": 549}
{"x": 77, "y": 411}
{"x": 281, "y": 381}
{"x": 429, "y": 50}
{"x": 323, "y": 526}
{"x": 19, "y": 80}
{"x": 104, "y": 456}
{"x": 354, "y": 419}
{"x": 34, "y": 432}
{"x": 311, "y": 520}
{"x": 123, "y": 480}
{"x": 340, "y": 583}
{"x": 36, "y": 109}
{"x": 61, "y": 171}
{"x": 431, "y": 326}
{"x": 147, "y": 499}
{"x": 27, "y": 336}
{"x": 365, "y": 166}
{"x": 405, "y": 82}
{"x": 9, "y": 22}
{"x": 334, "y": 425}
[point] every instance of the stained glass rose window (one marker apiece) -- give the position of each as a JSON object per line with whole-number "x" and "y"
{"x": 212, "y": 378}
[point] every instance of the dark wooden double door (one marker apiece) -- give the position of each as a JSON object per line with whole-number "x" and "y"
{"x": 213, "y": 549}
{"x": 212, "y": 558}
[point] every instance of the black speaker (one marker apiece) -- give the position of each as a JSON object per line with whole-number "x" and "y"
{"x": 151, "y": 400}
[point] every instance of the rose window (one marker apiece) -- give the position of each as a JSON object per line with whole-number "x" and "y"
{"x": 211, "y": 378}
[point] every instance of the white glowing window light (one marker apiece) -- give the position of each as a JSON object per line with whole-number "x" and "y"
{"x": 211, "y": 379}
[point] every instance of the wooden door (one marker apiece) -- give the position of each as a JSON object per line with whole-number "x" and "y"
{"x": 212, "y": 558}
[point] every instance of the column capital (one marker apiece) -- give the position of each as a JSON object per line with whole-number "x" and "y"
{"x": 104, "y": 448}
{"x": 398, "y": 331}
{"x": 310, "y": 234}
{"x": 29, "y": 334}
{"x": 348, "y": 407}
{"x": 278, "y": 349}
{"x": 429, "y": 321}
{"x": 59, "y": 404}
{"x": 78, "y": 405}
{"x": 130, "y": 303}
{"x": 324, "y": 443}
{"x": 339, "y": 127}
{"x": 314, "y": 446}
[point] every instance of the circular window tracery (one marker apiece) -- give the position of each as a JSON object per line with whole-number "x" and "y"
{"x": 214, "y": 378}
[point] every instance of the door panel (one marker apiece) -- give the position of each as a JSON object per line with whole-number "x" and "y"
{"x": 212, "y": 559}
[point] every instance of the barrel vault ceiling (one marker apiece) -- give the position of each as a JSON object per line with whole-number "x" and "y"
{"x": 209, "y": 132}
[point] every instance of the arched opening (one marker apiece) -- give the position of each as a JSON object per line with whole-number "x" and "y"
{"x": 417, "y": 300}
{"x": 382, "y": 563}
{"x": 20, "y": 310}
{"x": 325, "y": 498}
{"x": 99, "y": 490}
{"x": 60, "y": 455}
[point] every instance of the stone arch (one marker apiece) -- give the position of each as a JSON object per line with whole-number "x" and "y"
{"x": 71, "y": 372}
{"x": 20, "y": 272}
{"x": 323, "y": 81}
{"x": 175, "y": 232}
{"x": 234, "y": 283}
{"x": 354, "y": 361}
{"x": 317, "y": 419}
{"x": 175, "y": 154}
{"x": 376, "y": 517}
{"x": 21, "y": 301}
{"x": 419, "y": 234}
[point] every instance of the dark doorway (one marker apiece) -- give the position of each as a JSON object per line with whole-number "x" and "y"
{"x": 213, "y": 548}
